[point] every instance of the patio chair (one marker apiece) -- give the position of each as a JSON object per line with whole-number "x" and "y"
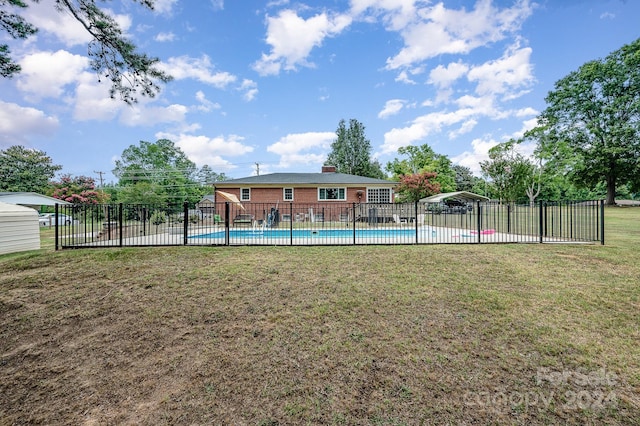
{"x": 397, "y": 219}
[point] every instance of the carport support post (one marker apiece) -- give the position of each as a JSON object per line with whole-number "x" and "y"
{"x": 185, "y": 222}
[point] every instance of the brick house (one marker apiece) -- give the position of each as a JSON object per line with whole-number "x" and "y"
{"x": 327, "y": 192}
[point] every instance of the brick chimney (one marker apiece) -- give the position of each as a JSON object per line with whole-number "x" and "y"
{"x": 328, "y": 169}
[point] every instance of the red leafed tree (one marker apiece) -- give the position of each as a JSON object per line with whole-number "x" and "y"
{"x": 78, "y": 190}
{"x": 416, "y": 186}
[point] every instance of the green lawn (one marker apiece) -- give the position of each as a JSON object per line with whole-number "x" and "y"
{"x": 382, "y": 335}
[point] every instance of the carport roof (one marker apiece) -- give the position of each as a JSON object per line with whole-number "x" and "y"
{"x": 459, "y": 195}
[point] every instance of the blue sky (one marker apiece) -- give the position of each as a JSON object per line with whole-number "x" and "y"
{"x": 268, "y": 81}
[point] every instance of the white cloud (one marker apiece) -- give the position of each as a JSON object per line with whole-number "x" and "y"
{"x": 472, "y": 159}
{"x": 293, "y": 148}
{"x": 444, "y": 77}
{"x": 292, "y": 38}
{"x": 62, "y": 25}
{"x": 422, "y": 127}
{"x": 501, "y": 76}
{"x": 436, "y": 30}
{"x": 526, "y": 126}
{"x": 481, "y": 147}
{"x": 396, "y": 13}
{"x": 403, "y": 77}
{"x": 18, "y": 123}
{"x": 200, "y": 69}
{"x": 277, "y": 3}
{"x": 217, "y": 4}
{"x": 45, "y": 74}
{"x": 164, "y": 6}
{"x": 205, "y": 104}
{"x": 211, "y": 151}
{"x": 143, "y": 115}
{"x": 164, "y": 37}
{"x": 92, "y": 102}
{"x": 391, "y": 107}
{"x": 466, "y": 127}
{"x": 526, "y": 112}
{"x": 250, "y": 89}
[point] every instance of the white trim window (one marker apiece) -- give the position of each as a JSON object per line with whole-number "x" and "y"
{"x": 287, "y": 194}
{"x": 331, "y": 194}
{"x": 245, "y": 194}
{"x": 379, "y": 195}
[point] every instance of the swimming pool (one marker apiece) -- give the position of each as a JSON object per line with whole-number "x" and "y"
{"x": 310, "y": 233}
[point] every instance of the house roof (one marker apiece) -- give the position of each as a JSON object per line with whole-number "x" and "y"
{"x": 305, "y": 179}
{"x": 29, "y": 199}
{"x": 459, "y": 195}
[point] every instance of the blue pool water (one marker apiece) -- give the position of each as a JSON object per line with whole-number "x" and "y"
{"x": 312, "y": 233}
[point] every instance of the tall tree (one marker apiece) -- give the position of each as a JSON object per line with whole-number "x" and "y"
{"x": 206, "y": 176}
{"x": 160, "y": 165}
{"x": 513, "y": 175}
{"x": 351, "y": 151}
{"x": 465, "y": 180}
{"x": 25, "y": 170}
{"x": 112, "y": 55}
{"x": 592, "y": 121}
{"x": 424, "y": 159}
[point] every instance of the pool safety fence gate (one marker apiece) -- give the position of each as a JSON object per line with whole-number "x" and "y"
{"x": 329, "y": 223}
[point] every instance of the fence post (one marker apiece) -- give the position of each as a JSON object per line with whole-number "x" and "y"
{"x": 479, "y": 210}
{"x": 226, "y": 223}
{"x": 540, "y": 222}
{"x": 602, "y": 222}
{"x": 185, "y": 222}
{"x": 144, "y": 221}
{"x": 120, "y": 228}
{"x": 353, "y": 222}
{"x": 509, "y": 218}
{"x": 56, "y": 227}
{"x": 415, "y": 220}
{"x": 290, "y": 223}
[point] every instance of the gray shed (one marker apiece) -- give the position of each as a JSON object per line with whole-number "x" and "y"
{"x": 19, "y": 230}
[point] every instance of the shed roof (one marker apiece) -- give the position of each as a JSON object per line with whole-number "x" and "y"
{"x": 7, "y": 209}
{"x": 305, "y": 179}
{"x": 29, "y": 199}
{"x": 458, "y": 195}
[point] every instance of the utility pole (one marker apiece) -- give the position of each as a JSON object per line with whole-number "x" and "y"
{"x": 101, "y": 178}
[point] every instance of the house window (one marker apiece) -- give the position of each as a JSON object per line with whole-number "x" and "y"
{"x": 245, "y": 194}
{"x": 378, "y": 195}
{"x": 287, "y": 194}
{"x": 332, "y": 194}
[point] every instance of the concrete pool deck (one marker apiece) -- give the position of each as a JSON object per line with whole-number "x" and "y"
{"x": 384, "y": 235}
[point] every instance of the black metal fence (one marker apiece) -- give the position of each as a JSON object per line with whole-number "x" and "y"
{"x": 129, "y": 225}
